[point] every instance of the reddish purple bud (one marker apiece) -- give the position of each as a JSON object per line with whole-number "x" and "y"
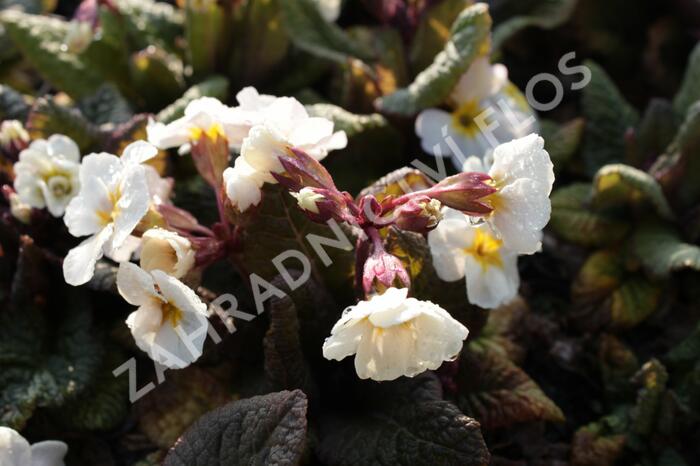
{"x": 181, "y": 221}
{"x": 370, "y": 211}
{"x": 465, "y": 192}
{"x": 420, "y": 214}
{"x": 301, "y": 170}
{"x": 386, "y": 269}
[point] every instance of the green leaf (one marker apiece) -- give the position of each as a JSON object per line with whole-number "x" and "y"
{"x": 562, "y": 141}
{"x": 40, "y": 39}
{"x": 686, "y": 353}
{"x": 618, "y": 364}
{"x": 655, "y": 132}
{"x": 434, "y": 31}
{"x": 259, "y": 44}
{"x": 591, "y": 447}
{"x": 661, "y": 250}
{"x": 575, "y": 221}
{"x": 13, "y": 105}
{"x": 156, "y": 76}
{"x": 689, "y": 92}
{"x": 150, "y": 22}
{"x": 48, "y": 354}
{"x": 187, "y": 394}
{"x": 214, "y": 86}
{"x": 268, "y": 429}
{"x": 499, "y": 334}
{"x": 498, "y": 393}
{"x": 105, "y": 106}
{"x": 433, "y": 85}
{"x": 412, "y": 432}
{"x": 205, "y": 23}
{"x": 653, "y": 378}
{"x": 608, "y": 117}
{"x": 545, "y": 14}
{"x": 48, "y": 117}
{"x": 618, "y": 184}
{"x": 311, "y": 33}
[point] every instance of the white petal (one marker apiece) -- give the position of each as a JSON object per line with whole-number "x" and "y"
{"x": 242, "y": 189}
{"x": 179, "y": 294}
{"x": 144, "y": 323}
{"x": 63, "y": 147}
{"x": 477, "y": 83}
{"x": 135, "y": 284}
{"x": 439, "y": 337}
{"x": 124, "y": 252}
{"x": 310, "y": 131}
{"x": 250, "y": 99}
{"x": 14, "y": 449}
{"x": 345, "y": 340}
{"x": 79, "y": 263}
{"x": 474, "y": 164}
{"x": 493, "y": 286}
{"x": 284, "y": 114}
{"x": 432, "y": 125}
{"x": 138, "y": 152}
{"x": 175, "y": 134}
{"x": 133, "y": 203}
{"x": 261, "y": 149}
{"x": 49, "y": 453}
{"x": 523, "y": 158}
{"x": 27, "y": 187}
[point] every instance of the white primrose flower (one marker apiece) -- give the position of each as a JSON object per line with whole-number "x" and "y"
{"x": 307, "y": 198}
{"x": 203, "y": 116}
{"x": 20, "y": 210}
{"x": 167, "y": 251}
{"x": 487, "y": 110}
{"x": 286, "y": 125}
{"x": 46, "y": 174}
{"x": 78, "y": 37}
{"x": 392, "y": 335}
{"x": 170, "y": 323}
{"x": 12, "y": 132}
{"x": 16, "y": 451}
{"x": 462, "y": 250}
{"x": 114, "y": 196}
{"x": 523, "y": 174}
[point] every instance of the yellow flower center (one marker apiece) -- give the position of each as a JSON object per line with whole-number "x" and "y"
{"x": 464, "y": 118}
{"x": 171, "y": 314}
{"x": 108, "y": 216}
{"x": 485, "y": 249}
{"x": 213, "y": 132}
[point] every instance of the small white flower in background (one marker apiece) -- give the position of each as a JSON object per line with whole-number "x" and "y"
{"x": 487, "y": 110}
{"x": 167, "y": 251}
{"x": 114, "y": 196}
{"x": 286, "y": 125}
{"x": 523, "y": 174}
{"x": 307, "y": 198}
{"x": 78, "y": 37}
{"x": 392, "y": 335}
{"x": 16, "y": 451}
{"x": 329, "y": 9}
{"x": 46, "y": 174}
{"x": 462, "y": 250}
{"x": 170, "y": 323}
{"x": 13, "y": 134}
{"x": 205, "y": 116}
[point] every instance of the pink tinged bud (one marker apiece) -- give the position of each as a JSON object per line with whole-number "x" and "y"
{"x": 420, "y": 214}
{"x": 386, "y": 269}
{"x": 464, "y": 192}
{"x": 210, "y": 154}
{"x": 207, "y": 250}
{"x": 371, "y": 211}
{"x": 301, "y": 170}
{"x": 181, "y": 221}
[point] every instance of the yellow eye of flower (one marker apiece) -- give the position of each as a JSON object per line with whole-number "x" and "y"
{"x": 463, "y": 118}
{"x": 171, "y": 313}
{"x": 485, "y": 249}
{"x": 106, "y": 216}
{"x": 213, "y": 132}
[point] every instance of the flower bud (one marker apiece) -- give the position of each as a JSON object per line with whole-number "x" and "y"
{"x": 13, "y": 138}
{"x": 307, "y": 199}
{"x": 210, "y": 154}
{"x": 167, "y": 251}
{"x": 420, "y": 214}
{"x": 18, "y": 209}
{"x": 464, "y": 192}
{"x": 78, "y": 37}
{"x": 386, "y": 269}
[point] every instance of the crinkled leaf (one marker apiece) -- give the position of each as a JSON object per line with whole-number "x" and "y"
{"x": 214, "y": 86}
{"x": 310, "y": 32}
{"x": 608, "y": 117}
{"x": 498, "y": 335}
{"x": 402, "y": 181}
{"x": 40, "y": 39}
{"x": 268, "y": 429}
{"x": 562, "y": 141}
{"x": 687, "y": 352}
{"x": 415, "y": 433}
{"x": 107, "y": 105}
{"x": 618, "y": 364}
{"x": 652, "y": 378}
{"x": 661, "y": 250}
{"x": 151, "y": 22}
{"x": 575, "y": 221}
{"x": 156, "y": 76}
{"x": 498, "y": 393}
{"x": 434, "y": 31}
{"x": 433, "y": 85}
{"x": 178, "y": 402}
{"x": 48, "y": 117}
{"x": 590, "y": 447}
{"x": 545, "y": 14}
{"x": 618, "y": 184}
{"x": 655, "y": 132}
{"x": 13, "y": 105}
{"x": 689, "y": 92}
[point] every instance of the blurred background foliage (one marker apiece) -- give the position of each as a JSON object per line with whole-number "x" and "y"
{"x": 598, "y": 362}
